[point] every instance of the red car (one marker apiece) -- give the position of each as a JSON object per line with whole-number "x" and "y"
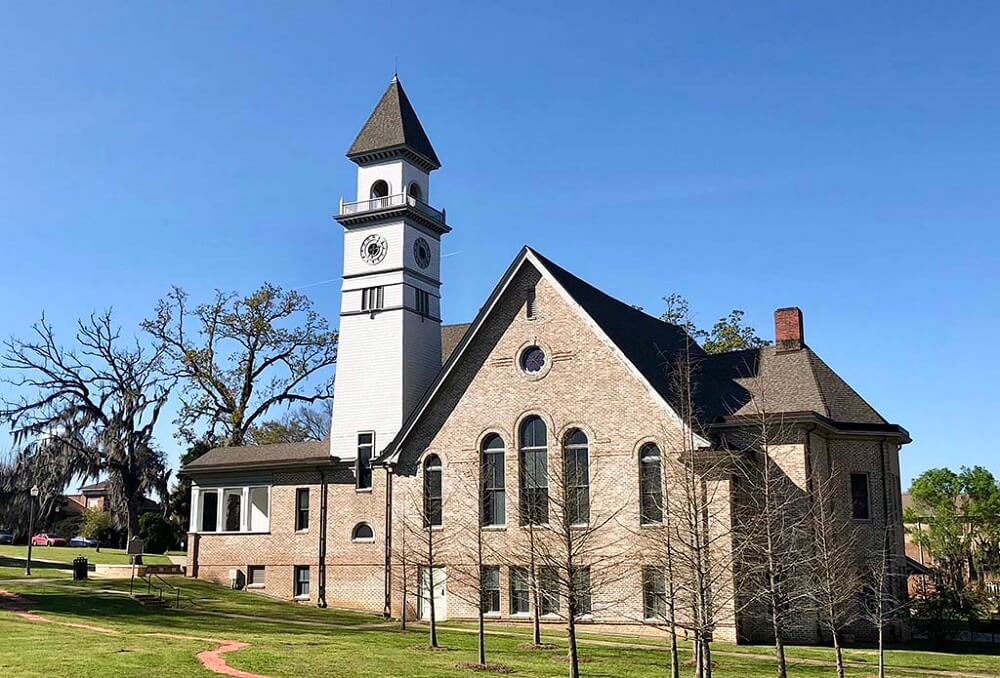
{"x": 47, "y": 539}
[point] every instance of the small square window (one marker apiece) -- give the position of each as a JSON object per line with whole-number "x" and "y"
{"x": 301, "y": 580}
{"x": 256, "y": 575}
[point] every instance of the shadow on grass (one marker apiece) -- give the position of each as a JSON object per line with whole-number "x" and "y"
{"x": 6, "y": 561}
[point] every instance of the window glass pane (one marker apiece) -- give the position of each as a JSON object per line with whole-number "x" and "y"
{"x": 363, "y": 531}
{"x": 494, "y": 502}
{"x": 577, "y": 460}
{"x": 259, "y": 508}
{"x": 581, "y": 591}
{"x": 651, "y": 485}
{"x": 209, "y": 510}
{"x": 256, "y": 574}
{"x": 432, "y": 491}
{"x": 519, "y": 594}
{"x": 366, "y": 447}
{"x": 860, "y": 508}
{"x": 490, "y": 588}
{"x": 654, "y": 595}
{"x": 234, "y": 504}
{"x": 548, "y": 585}
{"x": 301, "y": 580}
{"x": 302, "y": 508}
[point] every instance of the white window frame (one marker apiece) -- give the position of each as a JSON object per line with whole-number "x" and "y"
{"x": 197, "y": 508}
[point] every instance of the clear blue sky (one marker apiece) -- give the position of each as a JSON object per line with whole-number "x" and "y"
{"x": 839, "y": 157}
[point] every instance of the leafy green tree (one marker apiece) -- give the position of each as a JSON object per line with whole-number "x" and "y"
{"x": 241, "y": 356}
{"x": 158, "y": 534}
{"x": 96, "y": 524}
{"x": 729, "y": 333}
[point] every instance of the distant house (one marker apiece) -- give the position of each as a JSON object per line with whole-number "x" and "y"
{"x": 97, "y": 496}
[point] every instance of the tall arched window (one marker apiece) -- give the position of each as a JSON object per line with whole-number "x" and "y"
{"x": 415, "y": 192}
{"x": 650, "y": 485}
{"x": 494, "y": 494}
{"x": 534, "y": 480}
{"x": 576, "y": 457}
{"x": 432, "y": 491}
{"x": 380, "y": 189}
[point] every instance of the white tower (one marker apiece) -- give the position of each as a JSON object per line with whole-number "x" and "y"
{"x": 390, "y": 316}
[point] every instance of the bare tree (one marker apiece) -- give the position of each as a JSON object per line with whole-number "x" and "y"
{"x": 241, "y": 356}
{"x": 883, "y": 600}
{"x": 777, "y": 521}
{"x": 425, "y": 542}
{"x": 835, "y": 581}
{"x": 89, "y": 411}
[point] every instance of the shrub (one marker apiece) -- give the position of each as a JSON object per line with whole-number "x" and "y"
{"x": 158, "y": 534}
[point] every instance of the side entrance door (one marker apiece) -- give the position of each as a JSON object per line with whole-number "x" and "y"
{"x": 439, "y": 585}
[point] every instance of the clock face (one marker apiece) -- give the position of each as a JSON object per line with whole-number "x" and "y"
{"x": 422, "y": 253}
{"x": 373, "y": 249}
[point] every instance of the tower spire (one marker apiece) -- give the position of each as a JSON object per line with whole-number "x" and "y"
{"x": 393, "y": 130}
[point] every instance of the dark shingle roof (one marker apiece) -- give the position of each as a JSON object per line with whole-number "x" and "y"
{"x": 393, "y": 124}
{"x": 450, "y": 336}
{"x": 279, "y": 454}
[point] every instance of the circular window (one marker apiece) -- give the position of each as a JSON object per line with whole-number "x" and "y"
{"x": 533, "y": 360}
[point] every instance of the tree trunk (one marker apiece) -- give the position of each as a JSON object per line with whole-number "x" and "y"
{"x": 131, "y": 518}
{"x": 881, "y": 650}
{"x": 706, "y": 658}
{"x": 482, "y": 636}
{"x": 779, "y": 641}
{"x": 574, "y": 657}
{"x": 838, "y": 652}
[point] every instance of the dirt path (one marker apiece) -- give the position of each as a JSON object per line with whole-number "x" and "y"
{"x": 210, "y": 659}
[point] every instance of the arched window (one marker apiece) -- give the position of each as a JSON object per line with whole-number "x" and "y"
{"x": 432, "y": 491}
{"x": 415, "y": 192}
{"x": 380, "y": 189}
{"x": 576, "y": 457}
{"x": 363, "y": 532}
{"x": 494, "y": 494}
{"x": 534, "y": 472}
{"x": 650, "y": 485}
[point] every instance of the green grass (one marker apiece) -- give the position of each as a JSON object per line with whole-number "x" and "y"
{"x": 66, "y": 554}
{"x": 281, "y": 649}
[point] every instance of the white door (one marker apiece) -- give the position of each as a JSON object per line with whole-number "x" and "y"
{"x": 440, "y": 589}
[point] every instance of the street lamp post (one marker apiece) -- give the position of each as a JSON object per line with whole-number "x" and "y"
{"x": 31, "y": 527}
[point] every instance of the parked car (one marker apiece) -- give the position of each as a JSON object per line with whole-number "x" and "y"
{"x": 80, "y": 541}
{"x": 6, "y": 537}
{"x": 47, "y": 539}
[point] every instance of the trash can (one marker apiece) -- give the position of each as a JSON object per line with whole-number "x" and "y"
{"x": 79, "y": 568}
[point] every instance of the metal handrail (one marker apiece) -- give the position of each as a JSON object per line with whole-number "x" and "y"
{"x": 388, "y": 202}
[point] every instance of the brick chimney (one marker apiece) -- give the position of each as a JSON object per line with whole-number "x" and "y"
{"x": 788, "y": 334}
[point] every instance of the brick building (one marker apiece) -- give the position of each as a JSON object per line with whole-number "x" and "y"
{"x": 551, "y": 369}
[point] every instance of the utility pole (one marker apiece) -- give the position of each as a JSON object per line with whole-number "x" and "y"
{"x": 31, "y": 527}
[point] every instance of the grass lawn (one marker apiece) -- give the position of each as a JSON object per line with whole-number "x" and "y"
{"x": 353, "y": 648}
{"x": 66, "y": 554}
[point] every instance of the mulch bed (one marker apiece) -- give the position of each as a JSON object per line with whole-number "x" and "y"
{"x": 485, "y": 668}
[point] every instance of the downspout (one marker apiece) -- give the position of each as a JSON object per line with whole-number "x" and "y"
{"x": 321, "y": 602}
{"x": 387, "y": 531}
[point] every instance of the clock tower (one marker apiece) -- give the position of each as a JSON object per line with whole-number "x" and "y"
{"x": 390, "y": 311}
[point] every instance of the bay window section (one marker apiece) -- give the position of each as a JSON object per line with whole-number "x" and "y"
{"x": 232, "y": 509}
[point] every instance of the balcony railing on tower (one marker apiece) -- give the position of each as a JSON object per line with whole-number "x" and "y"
{"x": 390, "y": 202}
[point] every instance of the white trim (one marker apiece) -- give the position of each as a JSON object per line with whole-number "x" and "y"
{"x": 528, "y": 254}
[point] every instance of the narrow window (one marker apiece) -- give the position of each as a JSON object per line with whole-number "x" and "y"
{"x": 363, "y": 532}
{"x": 432, "y": 491}
{"x": 301, "y": 580}
{"x": 423, "y": 302}
{"x": 576, "y": 456}
{"x": 233, "y": 499}
{"x": 372, "y": 298}
{"x": 534, "y": 472}
{"x": 256, "y": 575}
{"x": 302, "y": 508}
{"x": 260, "y": 508}
{"x": 520, "y": 595}
{"x": 493, "y": 479}
{"x": 529, "y": 304}
{"x": 654, "y": 593}
{"x": 650, "y": 485}
{"x": 489, "y": 586}
{"x": 366, "y": 446}
{"x": 860, "y": 498}
{"x": 209, "y": 511}
{"x": 582, "y": 599}
{"x": 548, "y": 589}
{"x": 415, "y": 191}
